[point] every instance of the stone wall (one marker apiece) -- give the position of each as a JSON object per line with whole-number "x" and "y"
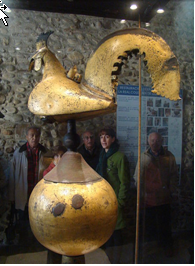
{"x": 73, "y": 40}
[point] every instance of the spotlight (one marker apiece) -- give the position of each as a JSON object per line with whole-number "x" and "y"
{"x": 133, "y": 7}
{"x": 8, "y": 10}
{"x": 160, "y": 11}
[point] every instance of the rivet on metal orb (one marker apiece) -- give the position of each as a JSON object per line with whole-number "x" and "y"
{"x": 77, "y": 201}
{"x": 58, "y": 209}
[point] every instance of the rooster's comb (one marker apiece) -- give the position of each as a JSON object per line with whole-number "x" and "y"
{"x": 44, "y": 36}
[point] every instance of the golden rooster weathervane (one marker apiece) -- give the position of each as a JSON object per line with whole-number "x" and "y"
{"x": 72, "y": 190}
{"x": 61, "y": 96}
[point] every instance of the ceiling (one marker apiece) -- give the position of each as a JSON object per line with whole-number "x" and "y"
{"x": 101, "y": 8}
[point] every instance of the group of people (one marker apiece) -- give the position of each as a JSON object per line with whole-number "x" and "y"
{"x": 158, "y": 171}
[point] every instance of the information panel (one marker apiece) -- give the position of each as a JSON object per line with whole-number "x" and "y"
{"x": 157, "y": 114}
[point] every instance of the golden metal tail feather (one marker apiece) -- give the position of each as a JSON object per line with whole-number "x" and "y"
{"x": 162, "y": 63}
{"x": 60, "y": 95}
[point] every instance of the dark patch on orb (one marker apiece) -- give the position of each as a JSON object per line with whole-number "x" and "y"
{"x": 58, "y": 209}
{"x": 46, "y": 182}
{"x": 35, "y": 206}
{"x": 106, "y": 203}
{"x": 77, "y": 201}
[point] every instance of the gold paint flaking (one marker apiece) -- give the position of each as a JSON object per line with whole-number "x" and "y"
{"x": 59, "y": 94}
{"x": 166, "y": 81}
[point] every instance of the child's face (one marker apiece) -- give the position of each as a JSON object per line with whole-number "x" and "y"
{"x": 106, "y": 141}
{"x": 60, "y": 154}
{"x": 58, "y": 157}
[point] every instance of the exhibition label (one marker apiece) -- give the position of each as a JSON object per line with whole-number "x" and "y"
{"x": 157, "y": 114}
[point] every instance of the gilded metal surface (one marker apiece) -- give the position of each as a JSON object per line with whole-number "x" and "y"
{"x": 161, "y": 62}
{"x": 60, "y": 95}
{"x": 57, "y": 94}
{"x": 73, "y": 218}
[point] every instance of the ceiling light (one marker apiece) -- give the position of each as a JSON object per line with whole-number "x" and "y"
{"x": 8, "y": 10}
{"x": 18, "y": 48}
{"x": 160, "y": 11}
{"x": 122, "y": 21}
{"x": 133, "y": 7}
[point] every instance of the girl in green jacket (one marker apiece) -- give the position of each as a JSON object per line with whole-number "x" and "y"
{"x": 114, "y": 167}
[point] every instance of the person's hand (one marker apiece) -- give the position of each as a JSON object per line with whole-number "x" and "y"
{"x": 56, "y": 159}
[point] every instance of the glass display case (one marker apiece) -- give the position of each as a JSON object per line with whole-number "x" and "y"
{"x": 155, "y": 133}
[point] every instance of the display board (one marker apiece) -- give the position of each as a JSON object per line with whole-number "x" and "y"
{"x": 157, "y": 114}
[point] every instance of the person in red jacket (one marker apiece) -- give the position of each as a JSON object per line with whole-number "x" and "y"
{"x": 58, "y": 154}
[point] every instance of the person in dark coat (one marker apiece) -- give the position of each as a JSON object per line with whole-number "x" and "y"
{"x": 89, "y": 149}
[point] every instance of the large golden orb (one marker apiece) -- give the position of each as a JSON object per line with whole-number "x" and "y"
{"x": 73, "y": 210}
